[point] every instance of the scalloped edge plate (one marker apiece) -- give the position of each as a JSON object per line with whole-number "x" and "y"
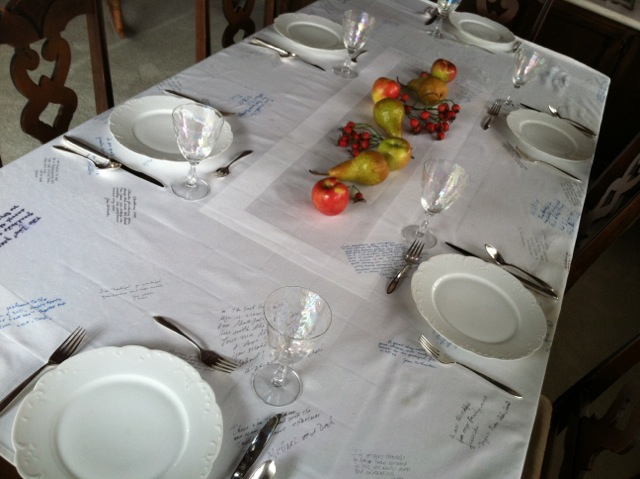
{"x": 145, "y": 125}
{"x": 126, "y": 412}
{"x": 478, "y": 306}
{"x": 310, "y": 31}
{"x": 480, "y": 31}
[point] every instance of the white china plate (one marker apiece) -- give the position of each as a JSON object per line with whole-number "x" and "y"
{"x": 310, "y": 30}
{"x": 145, "y": 125}
{"x": 478, "y": 306}
{"x": 125, "y": 412}
{"x": 546, "y": 137}
{"x": 481, "y": 31}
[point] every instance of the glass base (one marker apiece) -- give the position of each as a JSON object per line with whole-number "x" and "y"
{"x": 193, "y": 192}
{"x": 410, "y": 234}
{"x": 435, "y": 33}
{"x": 281, "y": 395}
{"x": 344, "y": 72}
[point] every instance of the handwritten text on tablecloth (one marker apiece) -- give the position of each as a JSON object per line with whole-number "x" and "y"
{"x": 384, "y": 258}
{"x": 15, "y": 221}
{"x": 135, "y": 291}
{"x": 121, "y": 205}
{"x": 21, "y": 313}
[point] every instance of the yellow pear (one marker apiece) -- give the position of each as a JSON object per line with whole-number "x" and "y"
{"x": 388, "y": 114}
{"x": 368, "y": 168}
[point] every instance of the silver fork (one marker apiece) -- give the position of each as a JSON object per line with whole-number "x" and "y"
{"x": 412, "y": 257}
{"x": 224, "y": 170}
{"x": 64, "y": 351}
{"x": 444, "y": 359}
{"x": 493, "y": 112}
{"x": 208, "y": 357}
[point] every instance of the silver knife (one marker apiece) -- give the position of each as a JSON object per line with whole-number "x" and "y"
{"x": 526, "y": 282}
{"x": 281, "y": 51}
{"x": 257, "y": 446}
{"x": 194, "y": 99}
{"x": 101, "y": 160}
{"x": 584, "y": 129}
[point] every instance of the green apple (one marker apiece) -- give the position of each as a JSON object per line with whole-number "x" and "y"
{"x": 397, "y": 152}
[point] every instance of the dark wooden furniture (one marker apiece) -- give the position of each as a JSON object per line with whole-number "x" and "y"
{"x": 611, "y": 207}
{"x": 7, "y": 471}
{"x": 24, "y": 23}
{"x": 586, "y": 436}
{"x": 523, "y": 17}
{"x": 238, "y": 16}
{"x": 116, "y": 17}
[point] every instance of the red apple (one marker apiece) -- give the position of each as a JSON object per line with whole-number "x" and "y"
{"x": 384, "y": 88}
{"x": 330, "y": 196}
{"x": 444, "y": 69}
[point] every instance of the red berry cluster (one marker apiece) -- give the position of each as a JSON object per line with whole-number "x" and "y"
{"x": 435, "y": 120}
{"x": 358, "y": 137}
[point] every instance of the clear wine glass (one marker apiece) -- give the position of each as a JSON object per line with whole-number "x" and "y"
{"x": 296, "y": 320}
{"x": 445, "y": 7}
{"x": 356, "y": 29}
{"x": 442, "y": 183}
{"x": 527, "y": 63}
{"x": 197, "y": 128}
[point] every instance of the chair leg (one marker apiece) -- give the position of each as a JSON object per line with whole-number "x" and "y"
{"x": 116, "y": 17}
{"x": 203, "y": 35}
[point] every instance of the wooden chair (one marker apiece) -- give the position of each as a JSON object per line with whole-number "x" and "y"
{"x": 238, "y": 16}
{"x": 7, "y": 471}
{"x": 612, "y": 205}
{"x": 116, "y": 17}
{"x": 24, "y": 23}
{"x": 586, "y": 436}
{"x": 523, "y": 17}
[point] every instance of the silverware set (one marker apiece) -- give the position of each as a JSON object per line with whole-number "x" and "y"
{"x": 411, "y": 257}
{"x": 576, "y": 124}
{"x": 441, "y": 357}
{"x": 210, "y": 358}
{"x": 62, "y": 353}
{"x": 282, "y": 52}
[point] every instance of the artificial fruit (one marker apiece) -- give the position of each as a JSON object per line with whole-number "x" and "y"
{"x": 384, "y": 88}
{"x": 388, "y": 114}
{"x": 444, "y": 70}
{"x": 368, "y": 168}
{"x": 397, "y": 152}
{"x": 330, "y": 196}
{"x": 430, "y": 89}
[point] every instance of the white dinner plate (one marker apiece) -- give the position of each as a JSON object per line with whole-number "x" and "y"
{"x": 145, "y": 125}
{"x": 310, "y": 30}
{"x": 125, "y": 412}
{"x": 546, "y": 137}
{"x": 480, "y": 31}
{"x": 478, "y": 306}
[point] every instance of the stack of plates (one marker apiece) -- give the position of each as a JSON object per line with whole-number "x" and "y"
{"x": 126, "y": 412}
{"x": 480, "y": 31}
{"x": 478, "y": 306}
{"x": 548, "y": 138}
{"x": 310, "y": 30}
{"x": 145, "y": 125}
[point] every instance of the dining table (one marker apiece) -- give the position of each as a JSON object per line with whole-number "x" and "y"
{"x": 107, "y": 251}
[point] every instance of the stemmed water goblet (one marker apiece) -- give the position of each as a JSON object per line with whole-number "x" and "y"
{"x": 445, "y": 7}
{"x": 356, "y": 29}
{"x": 443, "y": 181}
{"x": 197, "y": 128}
{"x": 297, "y": 318}
{"x": 527, "y": 63}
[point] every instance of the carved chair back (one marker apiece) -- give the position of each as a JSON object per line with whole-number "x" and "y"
{"x": 24, "y": 25}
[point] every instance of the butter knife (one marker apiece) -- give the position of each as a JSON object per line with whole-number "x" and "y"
{"x": 526, "y": 282}
{"x": 101, "y": 160}
{"x": 257, "y": 446}
{"x": 281, "y": 51}
{"x": 196, "y": 100}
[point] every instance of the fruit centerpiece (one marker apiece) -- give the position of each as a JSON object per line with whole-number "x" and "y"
{"x": 378, "y": 150}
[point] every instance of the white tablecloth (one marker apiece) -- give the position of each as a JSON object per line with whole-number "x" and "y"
{"x": 107, "y": 251}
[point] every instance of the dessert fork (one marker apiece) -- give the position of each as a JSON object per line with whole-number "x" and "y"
{"x": 493, "y": 112}
{"x": 412, "y": 257}
{"x": 64, "y": 352}
{"x": 434, "y": 352}
{"x": 224, "y": 170}
{"x": 208, "y": 357}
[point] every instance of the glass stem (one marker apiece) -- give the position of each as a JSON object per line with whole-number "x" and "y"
{"x": 191, "y": 176}
{"x": 424, "y": 226}
{"x": 279, "y": 376}
{"x": 438, "y": 22}
{"x": 347, "y": 62}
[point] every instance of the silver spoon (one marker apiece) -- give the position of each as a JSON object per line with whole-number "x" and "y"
{"x": 584, "y": 129}
{"x": 500, "y": 261}
{"x": 224, "y": 170}
{"x": 266, "y": 470}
